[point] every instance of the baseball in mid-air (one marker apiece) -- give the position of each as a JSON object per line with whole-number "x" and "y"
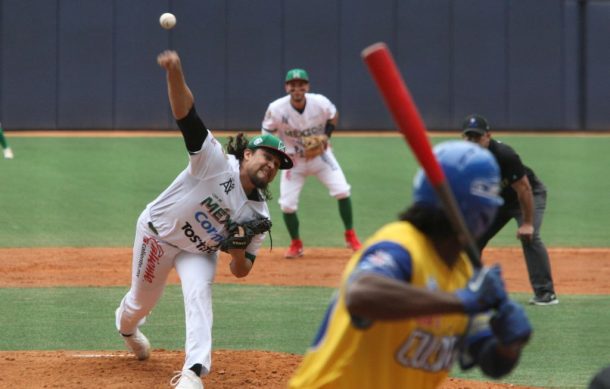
{"x": 167, "y": 20}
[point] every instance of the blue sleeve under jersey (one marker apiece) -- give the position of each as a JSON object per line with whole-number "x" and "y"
{"x": 388, "y": 259}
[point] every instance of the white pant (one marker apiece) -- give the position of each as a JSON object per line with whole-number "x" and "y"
{"x": 325, "y": 167}
{"x": 151, "y": 264}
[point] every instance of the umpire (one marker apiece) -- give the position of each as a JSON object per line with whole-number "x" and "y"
{"x": 524, "y": 200}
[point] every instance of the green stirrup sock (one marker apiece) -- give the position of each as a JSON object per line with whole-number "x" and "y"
{"x": 345, "y": 210}
{"x": 3, "y": 139}
{"x": 292, "y": 223}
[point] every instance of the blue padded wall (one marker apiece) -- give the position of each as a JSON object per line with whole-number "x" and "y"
{"x": 140, "y": 90}
{"x": 201, "y": 42}
{"x": 362, "y": 23}
{"x": 29, "y": 64}
{"x": 479, "y": 71}
{"x": 73, "y": 64}
{"x": 424, "y": 54}
{"x": 311, "y": 41}
{"x": 571, "y": 60}
{"x": 254, "y": 60}
{"x": 85, "y": 65}
{"x": 535, "y": 60}
{"x": 598, "y": 66}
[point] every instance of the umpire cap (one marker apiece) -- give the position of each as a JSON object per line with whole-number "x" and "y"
{"x": 475, "y": 124}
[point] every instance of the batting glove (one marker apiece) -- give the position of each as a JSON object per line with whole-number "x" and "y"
{"x": 485, "y": 290}
{"x": 510, "y": 323}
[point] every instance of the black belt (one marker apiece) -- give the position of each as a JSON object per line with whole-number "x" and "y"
{"x": 152, "y": 228}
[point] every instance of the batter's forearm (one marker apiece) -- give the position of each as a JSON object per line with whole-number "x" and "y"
{"x": 378, "y": 298}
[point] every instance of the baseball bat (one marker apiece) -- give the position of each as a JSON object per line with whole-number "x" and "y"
{"x": 397, "y": 98}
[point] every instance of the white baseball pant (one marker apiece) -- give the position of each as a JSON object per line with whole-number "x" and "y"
{"x": 327, "y": 170}
{"x": 151, "y": 264}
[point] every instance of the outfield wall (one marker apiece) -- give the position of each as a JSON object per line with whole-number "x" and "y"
{"x": 90, "y": 64}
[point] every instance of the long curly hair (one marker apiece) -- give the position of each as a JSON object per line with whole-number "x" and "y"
{"x": 236, "y": 146}
{"x": 431, "y": 221}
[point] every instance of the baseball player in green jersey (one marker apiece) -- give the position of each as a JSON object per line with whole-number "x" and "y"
{"x": 8, "y": 152}
{"x": 293, "y": 118}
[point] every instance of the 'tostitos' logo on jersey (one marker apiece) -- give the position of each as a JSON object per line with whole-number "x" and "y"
{"x": 202, "y": 245}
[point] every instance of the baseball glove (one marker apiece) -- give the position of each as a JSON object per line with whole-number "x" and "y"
{"x": 240, "y": 235}
{"x": 314, "y": 145}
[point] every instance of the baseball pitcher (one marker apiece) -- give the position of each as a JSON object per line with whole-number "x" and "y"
{"x": 216, "y": 202}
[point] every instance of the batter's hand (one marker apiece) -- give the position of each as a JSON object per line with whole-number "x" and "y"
{"x": 510, "y": 324}
{"x": 484, "y": 291}
{"x": 525, "y": 233}
{"x": 168, "y": 59}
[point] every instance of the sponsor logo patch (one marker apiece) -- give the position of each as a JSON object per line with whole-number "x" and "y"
{"x": 228, "y": 185}
{"x": 151, "y": 253}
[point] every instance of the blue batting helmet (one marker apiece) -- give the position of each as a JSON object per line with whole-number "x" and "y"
{"x": 474, "y": 177}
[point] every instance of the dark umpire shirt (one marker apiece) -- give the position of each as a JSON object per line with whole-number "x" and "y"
{"x": 511, "y": 170}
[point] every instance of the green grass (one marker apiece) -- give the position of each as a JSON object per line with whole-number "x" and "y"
{"x": 83, "y": 318}
{"x": 569, "y": 343}
{"x": 568, "y": 346}
{"x": 89, "y": 191}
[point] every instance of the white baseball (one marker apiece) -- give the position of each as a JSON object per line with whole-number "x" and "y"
{"x": 167, "y": 20}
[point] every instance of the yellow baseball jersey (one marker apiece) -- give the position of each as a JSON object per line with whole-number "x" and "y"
{"x": 415, "y": 353}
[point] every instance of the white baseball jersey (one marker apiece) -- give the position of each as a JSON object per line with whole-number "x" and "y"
{"x": 195, "y": 212}
{"x": 285, "y": 122}
{"x": 191, "y": 218}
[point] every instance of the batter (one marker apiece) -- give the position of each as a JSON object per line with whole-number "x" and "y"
{"x": 409, "y": 303}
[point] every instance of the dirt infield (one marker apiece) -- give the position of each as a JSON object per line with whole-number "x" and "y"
{"x": 576, "y": 271}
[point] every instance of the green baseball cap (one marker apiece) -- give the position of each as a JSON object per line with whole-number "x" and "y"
{"x": 297, "y": 74}
{"x": 273, "y": 144}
